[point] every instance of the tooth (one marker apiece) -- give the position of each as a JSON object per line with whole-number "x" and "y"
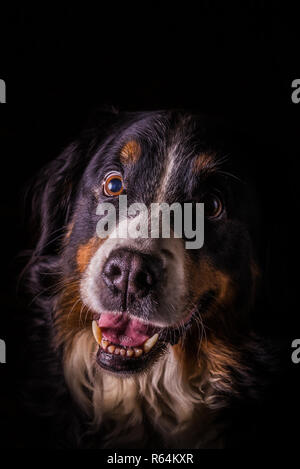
{"x": 97, "y": 332}
{"x": 117, "y": 351}
{"x": 122, "y": 352}
{"x": 104, "y": 344}
{"x": 150, "y": 343}
{"x": 138, "y": 352}
{"x": 129, "y": 352}
{"x": 111, "y": 349}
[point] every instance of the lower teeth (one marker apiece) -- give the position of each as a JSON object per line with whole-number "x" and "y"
{"x": 128, "y": 351}
{"x": 114, "y": 350}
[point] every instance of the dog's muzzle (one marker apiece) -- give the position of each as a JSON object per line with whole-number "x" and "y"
{"x": 130, "y": 276}
{"x": 136, "y": 294}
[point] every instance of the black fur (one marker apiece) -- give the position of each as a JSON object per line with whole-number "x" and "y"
{"x": 63, "y": 189}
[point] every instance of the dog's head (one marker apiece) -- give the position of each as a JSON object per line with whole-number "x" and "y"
{"x": 141, "y": 295}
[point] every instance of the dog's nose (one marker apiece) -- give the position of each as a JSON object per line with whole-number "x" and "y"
{"x": 131, "y": 274}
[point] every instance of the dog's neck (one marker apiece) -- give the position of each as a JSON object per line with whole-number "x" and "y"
{"x": 131, "y": 410}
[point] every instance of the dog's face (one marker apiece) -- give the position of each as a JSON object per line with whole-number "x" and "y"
{"x": 140, "y": 296}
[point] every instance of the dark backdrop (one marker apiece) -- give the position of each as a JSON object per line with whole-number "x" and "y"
{"x": 59, "y": 64}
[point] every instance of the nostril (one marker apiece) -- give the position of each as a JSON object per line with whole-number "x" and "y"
{"x": 142, "y": 279}
{"x": 114, "y": 271}
{"x": 141, "y": 282}
{"x": 150, "y": 279}
{"x": 112, "y": 274}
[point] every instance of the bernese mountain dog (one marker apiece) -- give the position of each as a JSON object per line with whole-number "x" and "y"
{"x": 142, "y": 343}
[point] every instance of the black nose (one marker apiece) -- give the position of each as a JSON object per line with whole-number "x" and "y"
{"x": 130, "y": 274}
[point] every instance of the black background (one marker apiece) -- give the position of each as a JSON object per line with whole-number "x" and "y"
{"x": 238, "y": 63}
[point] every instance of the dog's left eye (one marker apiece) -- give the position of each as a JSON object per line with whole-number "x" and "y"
{"x": 113, "y": 184}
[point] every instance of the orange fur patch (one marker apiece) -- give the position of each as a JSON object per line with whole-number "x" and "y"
{"x": 131, "y": 152}
{"x": 204, "y": 163}
{"x": 209, "y": 350}
{"x": 71, "y": 314}
{"x": 86, "y": 251}
{"x": 203, "y": 276}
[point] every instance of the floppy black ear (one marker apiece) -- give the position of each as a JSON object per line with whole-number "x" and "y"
{"x": 56, "y": 185}
{"x": 53, "y": 192}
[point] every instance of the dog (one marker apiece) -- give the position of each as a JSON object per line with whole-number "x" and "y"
{"x": 147, "y": 341}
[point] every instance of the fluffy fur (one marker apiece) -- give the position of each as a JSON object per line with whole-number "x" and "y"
{"x": 217, "y": 365}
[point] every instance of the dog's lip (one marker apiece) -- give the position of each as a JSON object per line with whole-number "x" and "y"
{"x": 127, "y": 366}
{"x": 129, "y": 359}
{"x": 124, "y": 365}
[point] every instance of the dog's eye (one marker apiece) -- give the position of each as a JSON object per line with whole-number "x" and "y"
{"x": 213, "y": 206}
{"x": 113, "y": 184}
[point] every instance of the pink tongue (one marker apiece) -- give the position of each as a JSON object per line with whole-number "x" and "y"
{"x": 120, "y": 329}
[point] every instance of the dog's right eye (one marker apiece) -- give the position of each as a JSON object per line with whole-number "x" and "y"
{"x": 113, "y": 184}
{"x": 213, "y": 206}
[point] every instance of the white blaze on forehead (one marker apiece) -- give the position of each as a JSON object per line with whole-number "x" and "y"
{"x": 169, "y": 168}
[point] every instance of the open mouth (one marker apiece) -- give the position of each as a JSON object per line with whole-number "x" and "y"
{"x": 128, "y": 345}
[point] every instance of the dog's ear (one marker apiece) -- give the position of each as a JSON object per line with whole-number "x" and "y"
{"x": 52, "y": 194}
{"x": 55, "y": 187}
{"x": 50, "y": 197}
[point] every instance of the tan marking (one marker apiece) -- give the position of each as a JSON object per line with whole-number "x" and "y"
{"x": 211, "y": 352}
{"x": 220, "y": 358}
{"x": 130, "y": 152}
{"x": 203, "y": 276}
{"x": 204, "y": 163}
{"x": 86, "y": 251}
{"x": 213, "y": 358}
{"x": 71, "y": 314}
